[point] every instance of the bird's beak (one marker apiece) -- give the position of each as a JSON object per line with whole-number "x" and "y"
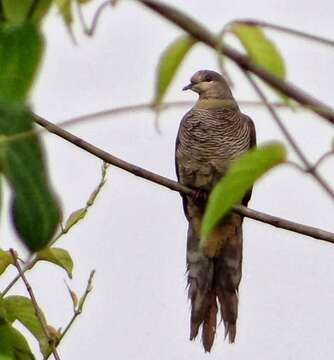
{"x": 188, "y": 87}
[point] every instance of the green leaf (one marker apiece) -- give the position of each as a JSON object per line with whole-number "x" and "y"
{"x": 57, "y": 256}
{"x": 5, "y": 260}
{"x": 75, "y": 217}
{"x": 16, "y": 11}
{"x": 20, "y": 54}
{"x": 65, "y": 9}
{"x": 21, "y": 309}
{"x": 169, "y": 63}
{"x": 41, "y": 10}
{"x": 3, "y": 312}
{"x": 34, "y": 207}
{"x": 240, "y": 177}
{"x": 260, "y": 49}
{"x": 13, "y": 345}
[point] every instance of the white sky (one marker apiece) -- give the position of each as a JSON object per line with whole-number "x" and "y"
{"x": 135, "y": 235}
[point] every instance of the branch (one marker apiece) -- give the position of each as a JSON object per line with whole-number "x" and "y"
{"x": 200, "y": 33}
{"x": 322, "y": 158}
{"x": 30, "y": 263}
{"x": 78, "y": 309}
{"x": 309, "y": 169}
{"x": 36, "y": 307}
{"x": 173, "y": 185}
{"x": 90, "y": 30}
{"x": 285, "y": 29}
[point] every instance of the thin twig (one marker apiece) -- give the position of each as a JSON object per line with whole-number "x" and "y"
{"x": 36, "y": 307}
{"x": 91, "y": 30}
{"x": 80, "y": 306}
{"x": 173, "y": 185}
{"x": 308, "y": 166}
{"x": 123, "y": 110}
{"x": 64, "y": 230}
{"x": 199, "y": 32}
{"x": 78, "y": 309}
{"x": 322, "y": 158}
{"x": 285, "y": 29}
{"x": 29, "y": 266}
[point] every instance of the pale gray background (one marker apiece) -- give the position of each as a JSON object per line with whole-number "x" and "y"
{"x": 135, "y": 235}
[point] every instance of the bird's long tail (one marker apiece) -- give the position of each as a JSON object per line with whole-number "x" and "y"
{"x": 214, "y": 280}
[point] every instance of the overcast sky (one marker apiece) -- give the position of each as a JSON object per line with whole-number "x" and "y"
{"x": 135, "y": 235}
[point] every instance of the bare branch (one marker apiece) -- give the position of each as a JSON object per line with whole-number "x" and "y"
{"x": 90, "y": 30}
{"x": 308, "y": 166}
{"x": 36, "y": 307}
{"x": 173, "y": 185}
{"x": 322, "y": 158}
{"x": 200, "y": 33}
{"x": 284, "y": 29}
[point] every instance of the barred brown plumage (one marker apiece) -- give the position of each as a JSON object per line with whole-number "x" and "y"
{"x": 211, "y": 135}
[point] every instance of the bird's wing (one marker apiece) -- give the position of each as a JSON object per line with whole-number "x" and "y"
{"x": 177, "y": 142}
{"x": 251, "y": 125}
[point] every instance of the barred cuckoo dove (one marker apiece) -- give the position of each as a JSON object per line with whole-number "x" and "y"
{"x": 211, "y": 135}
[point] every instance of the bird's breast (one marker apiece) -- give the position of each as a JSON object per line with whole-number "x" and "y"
{"x": 208, "y": 141}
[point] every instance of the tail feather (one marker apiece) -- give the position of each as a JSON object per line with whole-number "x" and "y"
{"x": 210, "y": 323}
{"x": 215, "y": 278}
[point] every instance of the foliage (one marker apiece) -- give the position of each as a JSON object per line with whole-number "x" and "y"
{"x": 169, "y": 63}
{"x": 239, "y": 179}
{"x": 34, "y": 209}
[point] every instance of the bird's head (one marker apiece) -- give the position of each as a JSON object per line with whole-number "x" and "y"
{"x": 209, "y": 85}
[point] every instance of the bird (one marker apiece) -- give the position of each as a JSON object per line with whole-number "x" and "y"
{"x": 211, "y": 136}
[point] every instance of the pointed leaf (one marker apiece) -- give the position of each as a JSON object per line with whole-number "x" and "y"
{"x": 169, "y": 63}
{"x": 20, "y": 54}
{"x": 13, "y": 345}
{"x": 5, "y": 260}
{"x": 34, "y": 207}
{"x": 74, "y": 218}
{"x": 16, "y": 11}
{"x": 57, "y": 256}
{"x": 65, "y": 9}
{"x": 260, "y": 49}
{"x": 41, "y": 10}
{"x": 74, "y": 297}
{"x": 21, "y": 309}
{"x": 240, "y": 177}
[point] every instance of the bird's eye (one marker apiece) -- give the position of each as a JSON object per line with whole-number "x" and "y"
{"x": 208, "y": 78}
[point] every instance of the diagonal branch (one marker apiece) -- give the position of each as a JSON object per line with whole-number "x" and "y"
{"x": 308, "y": 166}
{"x": 199, "y": 32}
{"x": 36, "y": 307}
{"x": 173, "y": 185}
{"x": 284, "y": 29}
